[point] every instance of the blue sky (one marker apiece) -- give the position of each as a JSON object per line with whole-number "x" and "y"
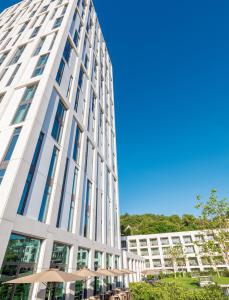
{"x": 171, "y": 69}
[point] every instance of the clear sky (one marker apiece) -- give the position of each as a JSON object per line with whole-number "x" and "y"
{"x": 171, "y": 69}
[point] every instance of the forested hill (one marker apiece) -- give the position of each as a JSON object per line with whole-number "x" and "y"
{"x": 149, "y": 223}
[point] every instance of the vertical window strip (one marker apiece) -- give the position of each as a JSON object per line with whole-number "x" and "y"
{"x": 87, "y": 210}
{"x": 9, "y": 152}
{"x": 48, "y": 186}
{"x": 76, "y": 148}
{"x": 73, "y": 199}
{"x": 60, "y": 72}
{"x": 58, "y": 122}
{"x": 24, "y": 106}
{"x": 13, "y": 74}
{"x": 60, "y": 210}
{"x": 29, "y": 180}
{"x": 40, "y": 65}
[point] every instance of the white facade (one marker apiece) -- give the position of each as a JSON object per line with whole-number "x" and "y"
{"x": 58, "y": 168}
{"x": 153, "y": 248}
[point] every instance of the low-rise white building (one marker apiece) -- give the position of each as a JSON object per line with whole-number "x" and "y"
{"x": 154, "y": 248}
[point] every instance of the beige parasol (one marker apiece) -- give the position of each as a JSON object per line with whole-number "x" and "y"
{"x": 85, "y": 273}
{"x": 126, "y": 271}
{"x": 105, "y": 272}
{"x": 51, "y": 275}
{"x": 118, "y": 272}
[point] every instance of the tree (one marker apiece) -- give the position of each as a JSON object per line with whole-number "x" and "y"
{"x": 214, "y": 219}
{"x": 175, "y": 253}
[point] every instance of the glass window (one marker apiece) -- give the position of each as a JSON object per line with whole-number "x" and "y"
{"x": 153, "y": 242}
{"x": 59, "y": 259}
{"x": 81, "y": 78}
{"x": 157, "y": 263}
{"x": 82, "y": 262}
{"x": 189, "y": 249}
{"x": 23, "y": 27}
{"x": 187, "y": 239}
{"x": 25, "y": 104}
{"x": 155, "y": 251}
{"x": 12, "y": 144}
{"x": 3, "y": 57}
{"x": 60, "y": 256}
{"x": 57, "y": 22}
{"x": 199, "y": 238}
{"x": 17, "y": 55}
{"x": 168, "y": 262}
{"x": 165, "y": 250}
{"x": 73, "y": 200}
{"x": 82, "y": 258}
{"x": 39, "y": 46}
{"x": 144, "y": 252}
{"x": 147, "y": 263}
{"x": 67, "y": 51}
{"x": 48, "y": 186}
{"x": 77, "y": 99}
{"x": 176, "y": 240}
{"x": 58, "y": 122}
{"x": 35, "y": 31}
{"x": 13, "y": 75}
{"x": 20, "y": 259}
{"x": 87, "y": 210}
{"x": 2, "y": 173}
{"x": 60, "y": 211}
{"x": 30, "y": 175}
{"x": 40, "y": 65}
{"x": 193, "y": 261}
{"x": 143, "y": 242}
{"x": 135, "y": 251}
{"x": 132, "y": 243}
{"x": 181, "y": 262}
{"x": 60, "y": 72}
{"x": 164, "y": 241}
{"x": 97, "y": 264}
{"x": 1, "y": 97}
{"x": 76, "y": 148}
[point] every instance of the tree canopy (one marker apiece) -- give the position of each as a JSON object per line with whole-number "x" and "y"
{"x": 151, "y": 223}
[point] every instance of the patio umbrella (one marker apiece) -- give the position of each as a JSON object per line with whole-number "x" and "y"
{"x": 85, "y": 273}
{"x": 51, "y": 275}
{"x": 126, "y": 271}
{"x": 118, "y": 272}
{"x": 104, "y": 272}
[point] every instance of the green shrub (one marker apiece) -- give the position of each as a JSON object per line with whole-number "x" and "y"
{"x": 172, "y": 291}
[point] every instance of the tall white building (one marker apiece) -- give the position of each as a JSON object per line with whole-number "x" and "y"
{"x": 154, "y": 248}
{"x": 58, "y": 171}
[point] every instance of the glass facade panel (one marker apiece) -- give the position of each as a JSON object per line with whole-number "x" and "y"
{"x": 20, "y": 260}
{"x": 60, "y": 72}
{"x": 40, "y": 65}
{"x": 97, "y": 264}
{"x": 58, "y": 122}
{"x": 12, "y": 144}
{"x": 67, "y": 51}
{"x": 25, "y": 104}
{"x": 76, "y": 148}
{"x": 73, "y": 200}
{"x": 59, "y": 260}
{"x": 48, "y": 186}
{"x": 30, "y": 175}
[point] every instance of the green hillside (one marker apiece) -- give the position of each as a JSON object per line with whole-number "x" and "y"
{"x": 150, "y": 223}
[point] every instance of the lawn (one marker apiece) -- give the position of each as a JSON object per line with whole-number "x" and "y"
{"x": 192, "y": 283}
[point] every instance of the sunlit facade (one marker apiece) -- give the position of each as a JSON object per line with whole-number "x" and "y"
{"x": 58, "y": 164}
